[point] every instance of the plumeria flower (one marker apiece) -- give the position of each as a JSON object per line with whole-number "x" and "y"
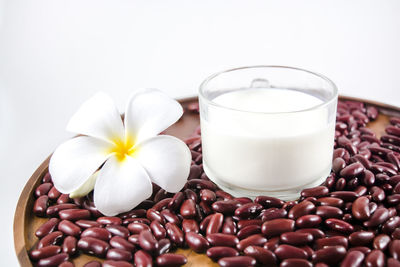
{"x": 119, "y": 159}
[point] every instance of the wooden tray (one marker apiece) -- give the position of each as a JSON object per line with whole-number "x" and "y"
{"x": 26, "y": 223}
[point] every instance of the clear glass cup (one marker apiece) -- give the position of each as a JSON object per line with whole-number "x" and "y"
{"x": 267, "y": 130}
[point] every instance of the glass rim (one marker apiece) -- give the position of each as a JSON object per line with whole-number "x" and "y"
{"x": 323, "y": 77}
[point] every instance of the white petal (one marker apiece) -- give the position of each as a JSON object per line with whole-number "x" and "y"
{"x": 149, "y": 112}
{"x": 121, "y": 186}
{"x": 74, "y": 161}
{"x": 167, "y": 161}
{"x": 98, "y": 117}
{"x": 86, "y": 188}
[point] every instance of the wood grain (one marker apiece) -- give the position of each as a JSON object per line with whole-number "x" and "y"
{"x": 25, "y": 223}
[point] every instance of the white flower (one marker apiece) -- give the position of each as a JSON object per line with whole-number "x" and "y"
{"x": 133, "y": 153}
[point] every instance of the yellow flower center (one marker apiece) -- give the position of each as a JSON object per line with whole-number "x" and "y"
{"x": 122, "y": 148}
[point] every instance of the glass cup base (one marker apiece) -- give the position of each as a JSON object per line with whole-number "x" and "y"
{"x": 286, "y": 194}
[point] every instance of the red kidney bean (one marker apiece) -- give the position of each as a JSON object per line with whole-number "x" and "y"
{"x": 136, "y": 227}
{"x": 196, "y": 242}
{"x": 188, "y": 210}
{"x": 340, "y": 184}
{"x": 216, "y": 253}
{"x": 330, "y": 201}
{"x": 237, "y": 261}
{"x": 326, "y": 212}
{"x": 316, "y": 233}
{"x": 289, "y": 204}
{"x": 248, "y": 230}
{"x": 215, "y": 224}
{"x": 40, "y": 205}
{"x": 273, "y": 213}
{"x": 248, "y": 210}
{"x": 163, "y": 246}
{"x": 393, "y": 130}
{"x": 190, "y": 225}
{"x": 360, "y": 208}
{"x": 154, "y": 215}
{"x": 93, "y": 246}
{"x": 118, "y": 255}
{"x": 47, "y": 178}
{"x": 272, "y": 243}
{"x": 318, "y": 191}
{"x": 169, "y": 216}
{"x": 87, "y": 224}
{"x": 363, "y": 250}
{"x": 308, "y": 221}
{"x": 143, "y": 259}
{"x": 158, "y": 230}
{"x": 262, "y": 255}
{"x": 331, "y": 241}
{"x": 303, "y": 208}
{"x": 170, "y": 260}
{"x": 44, "y": 252}
{"x": 295, "y": 263}
{"x": 47, "y": 227}
{"x": 353, "y": 259}
{"x": 109, "y": 220}
{"x": 175, "y": 234}
{"x": 290, "y": 252}
{"x": 339, "y": 225}
{"x": 375, "y": 258}
{"x": 92, "y": 264}
{"x": 378, "y": 217}
{"x": 393, "y": 262}
{"x": 229, "y": 226}
{"x": 69, "y": 245}
{"x": 277, "y": 227}
{"x": 55, "y": 260}
{"x": 346, "y": 196}
{"x": 361, "y": 238}
{"x": 53, "y": 193}
{"x": 116, "y": 263}
{"x": 220, "y": 239}
{"x": 378, "y": 195}
{"x": 341, "y": 153}
{"x": 159, "y": 193}
{"x": 338, "y": 164}
{"x": 147, "y": 241}
{"x": 69, "y": 228}
{"x": 243, "y": 223}
{"x": 352, "y": 170}
{"x": 98, "y": 233}
{"x": 204, "y": 223}
{"x": 390, "y": 225}
{"x": 118, "y": 230}
{"x": 269, "y": 202}
{"x": 255, "y": 240}
{"x": 296, "y": 238}
{"x": 190, "y": 194}
{"x": 329, "y": 255}
{"x": 226, "y": 206}
{"x": 224, "y": 195}
{"x": 43, "y": 189}
{"x": 392, "y": 139}
{"x": 54, "y": 210}
{"x": 51, "y": 239}
{"x": 121, "y": 243}
{"x": 73, "y": 214}
{"x": 207, "y": 196}
{"x": 201, "y": 184}
{"x": 381, "y": 242}
{"x": 394, "y": 249}
{"x": 205, "y": 208}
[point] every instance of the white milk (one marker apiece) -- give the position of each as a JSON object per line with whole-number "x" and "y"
{"x": 268, "y": 149}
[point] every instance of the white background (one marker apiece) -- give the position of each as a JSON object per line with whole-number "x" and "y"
{"x": 55, "y": 54}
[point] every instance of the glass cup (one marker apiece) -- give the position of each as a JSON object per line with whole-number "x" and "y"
{"x": 267, "y": 130}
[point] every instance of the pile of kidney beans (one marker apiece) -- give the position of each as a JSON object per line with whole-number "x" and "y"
{"x": 350, "y": 220}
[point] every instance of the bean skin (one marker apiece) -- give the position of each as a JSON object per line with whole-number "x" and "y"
{"x": 262, "y": 255}
{"x": 43, "y": 189}
{"x": 93, "y": 246}
{"x": 248, "y": 210}
{"x": 394, "y": 249}
{"x": 188, "y": 209}
{"x": 121, "y": 243}
{"x": 190, "y": 225}
{"x": 74, "y": 214}
{"x": 55, "y": 260}
{"x": 339, "y": 225}
{"x": 44, "y": 252}
{"x": 361, "y": 238}
{"x": 290, "y": 252}
{"x": 381, "y": 242}
{"x": 97, "y": 232}
{"x": 116, "y": 263}
{"x": 326, "y": 212}
{"x": 329, "y": 255}
{"x": 40, "y": 206}
{"x": 175, "y": 234}
{"x": 296, "y": 238}
{"x": 277, "y": 226}
{"x": 352, "y": 170}
{"x": 220, "y": 239}
{"x": 176, "y": 201}
{"x": 147, "y": 241}
{"x": 331, "y": 201}
{"x": 47, "y": 227}
{"x": 215, "y": 224}
{"x": 378, "y": 217}
{"x": 69, "y": 228}
{"x": 196, "y": 242}
{"x": 308, "y": 221}
{"x": 225, "y": 207}
{"x": 87, "y": 224}
{"x": 163, "y": 246}
{"x": 295, "y": 263}
{"x": 255, "y": 240}
{"x": 92, "y": 264}
{"x": 360, "y": 209}
{"x": 119, "y": 255}
{"x": 353, "y": 259}
{"x": 229, "y": 226}
{"x": 136, "y": 227}
{"x": 375, "y": 258}
{"x": 318, "y": 191}
{"x": 331, "y": 241}
{"x": 237, "y": 261}
{"x": 169, "y": 260}
{"x": 143, "y": 259}
{"x": 50, "y": 239}
{"x": 54, "y": 210}
{"x": 248, "y": 230}
{"x": 273, "y": 213}
{"x": 303, "y": 208}
{"x": 218, "y": 252}
{"x": 69, "y": 245}
{"x": 316, "y": 233}
{"x": 269, "y": 202}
